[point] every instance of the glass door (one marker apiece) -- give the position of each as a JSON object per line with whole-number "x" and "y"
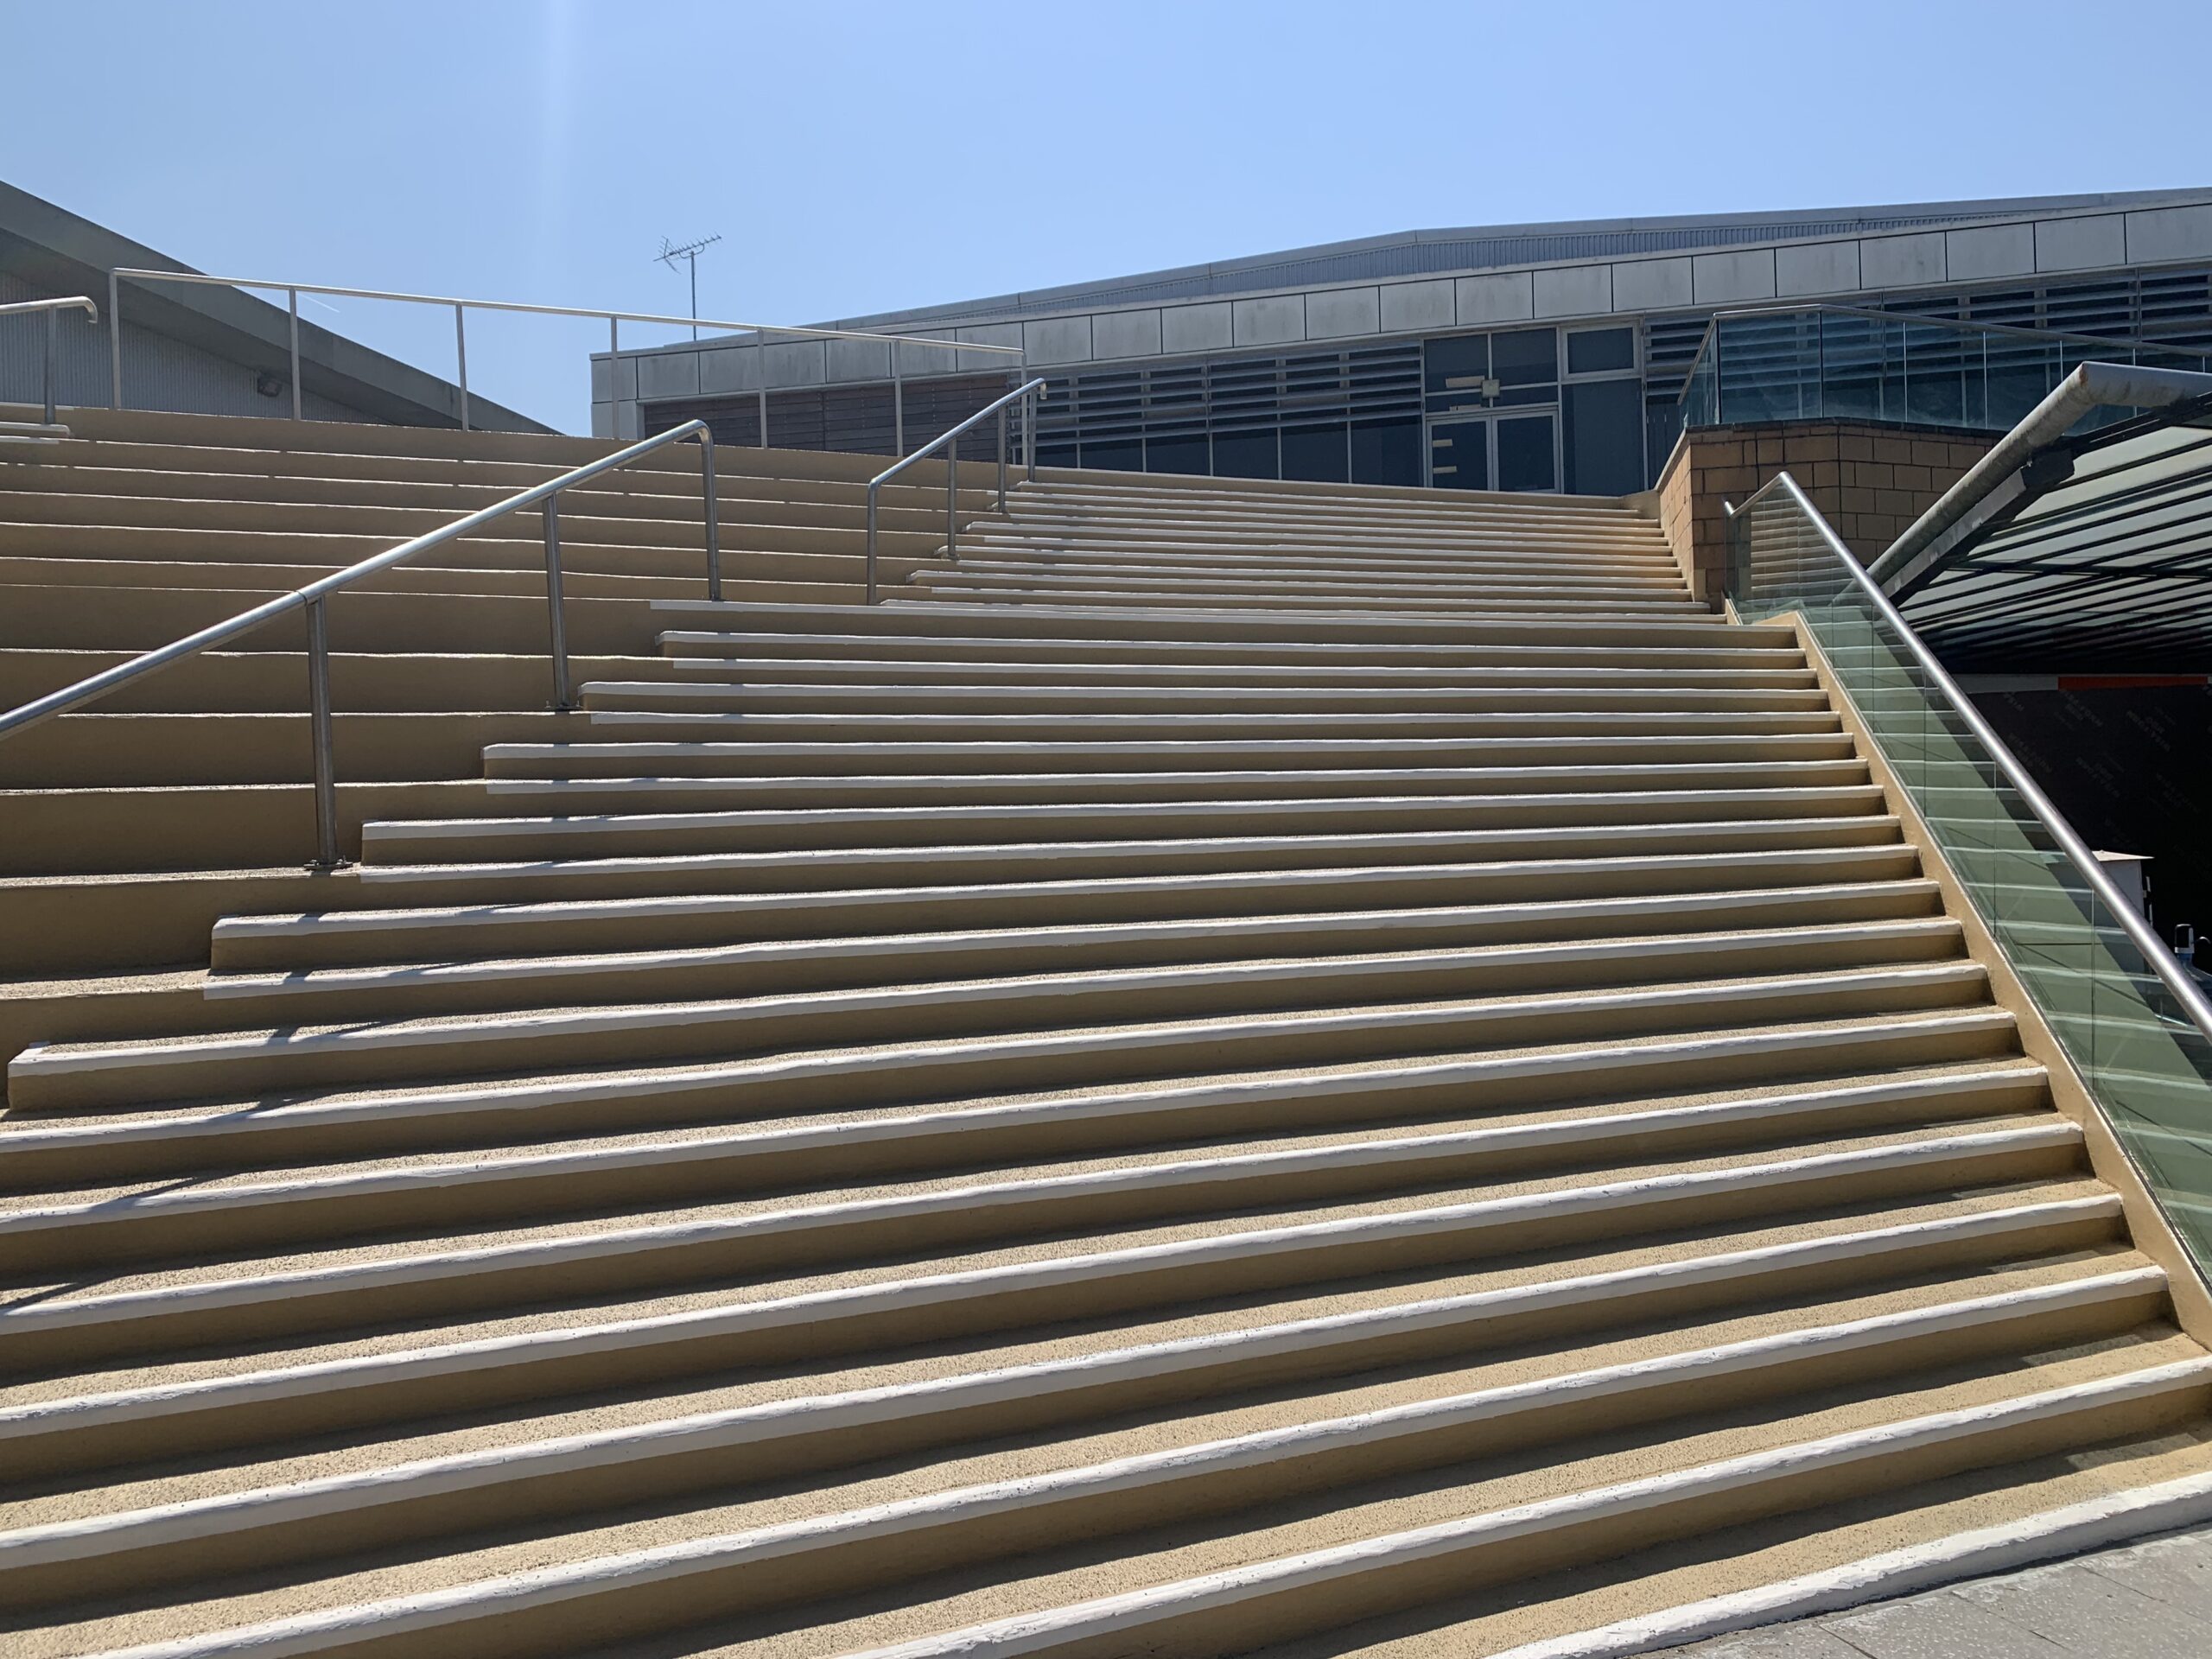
{"x": 1511, "y": 449}
{"x": 1493, "y": 403}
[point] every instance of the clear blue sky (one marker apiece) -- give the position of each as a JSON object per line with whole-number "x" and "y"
{"x": 862, "y": 155}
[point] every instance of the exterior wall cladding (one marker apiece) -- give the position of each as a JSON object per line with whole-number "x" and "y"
{"x": 1562, "y": 375}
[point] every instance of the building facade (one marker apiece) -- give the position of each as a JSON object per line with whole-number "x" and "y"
{"x": 1541, "y": 357}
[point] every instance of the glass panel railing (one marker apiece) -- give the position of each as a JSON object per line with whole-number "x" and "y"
{"x": 2126, "y": 1013}
{"x": 1834, "y": 363}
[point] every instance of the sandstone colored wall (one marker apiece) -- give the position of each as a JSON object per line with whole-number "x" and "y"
{"x": 1869, "y": 481}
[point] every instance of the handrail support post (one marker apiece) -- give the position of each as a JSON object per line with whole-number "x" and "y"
{"x": 53, "y": 335}
{"x": 872, "y": 489}
{"x": 564, "y": 699}
{"x": 293, "y": 295}
{"x": 1001, "y": 460}
{"x": 712, "y": 503}
{"x": 319, "y": 731}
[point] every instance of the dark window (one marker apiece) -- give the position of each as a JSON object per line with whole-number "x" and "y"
{"x": 732, "y": 420}
{"x": 1056, "y": 455}
{"x": 1183, "y": 455}
{"x": 1524, "y": 453}
{"x": 1317, "y": 453}
{"x": 1527, "y": 358}
{"x": 1386, "y": 452}
{"x": 1114, "y": 454}
{"x": 1596, "y": 350}
{"x": 1459, "y": 455}
{"x": 1604, "y": 437}
{"x": 1453, "y": 363}
{"x": 1244, "y": 455}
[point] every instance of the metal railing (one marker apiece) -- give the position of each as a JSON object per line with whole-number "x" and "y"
{"x": 53, "y": 308}
{"x": 763, "y": 333}
{"x": 2127, "y": 1009}
{"x": 314, "y": 597}
{"x": 1026, "y": 394}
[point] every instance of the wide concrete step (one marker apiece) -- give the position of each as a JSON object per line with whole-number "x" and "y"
{"x": 1135, "y": 1019}
{"x": 745, "y": 912}
{"x": 732, "y": 687}
{"x": 1521, "y": 584}
{"x": 274, "y": 681}
{"x": 1475, "y": 602}
{"x": 1101, "y": 1165}
{"x": 831, "y": 650}
{"x": 654, "y": 768}
{"x": 986, "y": 547}
{"x": 783, "y": 850}
{"x": 649, "y": 710}
{"x": 138, "y": 1541}
{"x": 1220, "y": 629}
{"x": 1451, "y": 1457}
{"x": 118, "y": 1416}
{"x": 674, "y": 972}
{"x": 1126, "y": 1224}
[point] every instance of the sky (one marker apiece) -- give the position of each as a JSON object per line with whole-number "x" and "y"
{"x": 859, "y": 156}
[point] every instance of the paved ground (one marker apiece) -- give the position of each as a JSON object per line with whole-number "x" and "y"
{"x": 2143, "y": 1601}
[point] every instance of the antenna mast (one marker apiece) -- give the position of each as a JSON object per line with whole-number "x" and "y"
{"x": 669, "y": 253}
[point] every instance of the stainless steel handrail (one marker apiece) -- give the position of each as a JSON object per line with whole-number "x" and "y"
{"x": 1995, "y": 482}
{"x": 1957, "y": 325}
{"x": 1026, "y": 394}
{"x": 615, "y": 320}
{"x": 53, "y": 308}
{"x": 313, "y": 597}
{"x": 2162, "y": 961}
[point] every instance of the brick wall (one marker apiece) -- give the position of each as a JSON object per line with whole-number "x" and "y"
{"x": 1868, "y": 481}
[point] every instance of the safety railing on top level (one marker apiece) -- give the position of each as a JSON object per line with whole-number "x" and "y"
{"x": 1026, "y": 395}
{"x": 764, "y": 333}
{"x": 1837, "y": 362}
{"x": 314, "y": 597}
{"x": 2137, "y": 1027}
{"x": 53, "y": 308}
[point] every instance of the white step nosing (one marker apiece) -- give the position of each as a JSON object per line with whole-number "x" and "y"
{"x": 1378, "y": 1152}
{"x": 1592, "y": 1061}
{"x": 325, "y": 923}
{"x": 230, "y": 1514}
{"x": 835, "y": 646}
{"x": 373, "y": 977}
{"x": 1741, "y": 993}
{"x": 1568, "y": 725}
{"x": 1126, "y": 1614}
{"x": 293, "y": 1285}
{"x": 1129, "y": 1614}
{"x": 1872, "y": 1246}
{"x": 980, "y": 748}
{"x": 891, "y": 688}
{"x": 2073, "y": 1529}
{"x": 855, "y": 662}
{"x": 961, "y": 811}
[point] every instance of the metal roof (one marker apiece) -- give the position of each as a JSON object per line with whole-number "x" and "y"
{"x": 56, "y": 251}
{"x": 1409, "y": 253}
{"x": 2106, "y": 568}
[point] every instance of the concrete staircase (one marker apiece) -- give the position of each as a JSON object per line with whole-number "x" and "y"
{"x": 1248, "y": 1065}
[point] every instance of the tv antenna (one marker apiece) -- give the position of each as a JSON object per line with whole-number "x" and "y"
{"x": 669, "y": 253}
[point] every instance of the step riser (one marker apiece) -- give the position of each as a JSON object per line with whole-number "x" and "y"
{"x": 657, "y": 715}
{"x": 93, "y": 1239}
{"x": 516, "y": 985}
{"x": 1089, "y": 817}
{"x": 1254, "y": 1621}
{"x": 859, "y": 673}
{"x": 954, "y": 764}
{"x": 181, "y": 1427}
{"x": 708, "y": 924}
{"x": 294, "y": 1310}
{"x": 704, "y": 636}
{"x": 458, "y": 1122}
{"x": 503, "y": 1046}
{"x": 732, "y": 1469}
